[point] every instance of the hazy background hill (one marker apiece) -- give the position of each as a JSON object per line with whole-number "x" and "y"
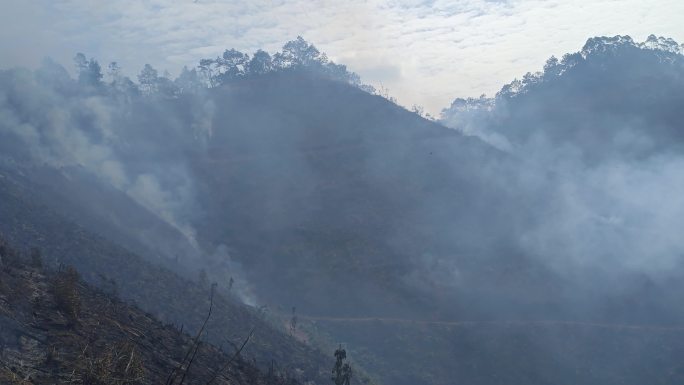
{"x": 604, "y": 125}
{"x": 547, "y": 217}
{"x": 613, "y": 99}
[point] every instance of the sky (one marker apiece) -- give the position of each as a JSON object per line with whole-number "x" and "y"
{"x": 423, "y": 52}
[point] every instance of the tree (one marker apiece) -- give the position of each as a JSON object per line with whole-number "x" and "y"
{"x": 530, "y": 79}
{"x": 94, "y": 71}
{"x": 342, "y": 371}
{"x": 297, "y": 53}
{"x": 114, "y": 72}
{"x": 260, "y": 64}
{"x": 510, "y": 89}
{"x": 165, "y": 86}
{"x": 119, "y": 82}
{"x": 232, "y": 65}
{"x": 367, "y": 88}
{"x": 206, "y": 69}
{"x": 81, "y": 62}
{"x": 188, "y": 81}
{"x": 89, "y": 71}
{"x": 340, "y": 72}
{"x": 148, "y": 79}
{"x": 552, "y": 68}
{"x": 571, "y": 59}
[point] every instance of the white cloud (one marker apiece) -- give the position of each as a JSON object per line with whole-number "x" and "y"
{"x": 425, "y": 52}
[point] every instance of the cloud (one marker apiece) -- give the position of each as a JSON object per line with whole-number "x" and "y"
{"x": 434, "y": 50}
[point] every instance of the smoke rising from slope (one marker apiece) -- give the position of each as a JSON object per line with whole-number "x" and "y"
{"x": 562, "y": 201}
{"x": 302, "y": 174}
{"x": 50, "y": 120}
{"x": 603, "y": 157}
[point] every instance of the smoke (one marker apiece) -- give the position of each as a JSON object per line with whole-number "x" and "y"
{"x": 138, "y": 145}
{"x": 80, "y": 127}
{"x": 586, "y": 184}
{"x": 597, "y": 162}
{"x": 226, "y": 271}
{"x": 166, "y": 201}
{"x": 563, "y": 198}
{"x": 618, "y": 215}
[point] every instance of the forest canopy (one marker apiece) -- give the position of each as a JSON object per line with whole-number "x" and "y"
{"x": 296, "y": 55}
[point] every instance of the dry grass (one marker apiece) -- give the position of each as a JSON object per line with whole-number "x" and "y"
{"x": 67, "y": 297}
{"x": 119, "y": 364}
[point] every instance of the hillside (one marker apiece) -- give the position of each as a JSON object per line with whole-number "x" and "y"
{"x": 533, "y": 242}
{"x": 615, "y": 98}
{"x": 172, "y": 299}
{"x": 314, "y": 204}
{"x": 57, "y": 329}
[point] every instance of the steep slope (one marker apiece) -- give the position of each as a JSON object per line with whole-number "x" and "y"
{"x": 56, "y": 329}
{"x": 333, "y": 200}
{"x": 317, "y": 186}
{"x": 77, "y": 195}
{"x": 29, "y": 223}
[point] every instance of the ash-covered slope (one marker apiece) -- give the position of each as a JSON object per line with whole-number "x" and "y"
{"x": 54, "y": 328}
{"x": 28, "y": 222}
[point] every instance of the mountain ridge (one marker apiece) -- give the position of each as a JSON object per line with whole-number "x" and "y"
{"x": 307, "y": 193}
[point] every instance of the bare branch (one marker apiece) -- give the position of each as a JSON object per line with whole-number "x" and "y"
{"x": 195, "y": 342}
{"x": 237, "y": 353}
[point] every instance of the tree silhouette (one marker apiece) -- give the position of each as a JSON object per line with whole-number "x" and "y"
{"x": 260, "y": 64}
{"x": 342, "y": 371}
{"x": 232, "y": 65}
{"x": 89, "y": 71}
{"x": 148, "y": 79}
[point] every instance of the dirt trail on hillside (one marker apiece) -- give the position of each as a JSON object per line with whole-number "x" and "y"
{"x": 521, "y": 323}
